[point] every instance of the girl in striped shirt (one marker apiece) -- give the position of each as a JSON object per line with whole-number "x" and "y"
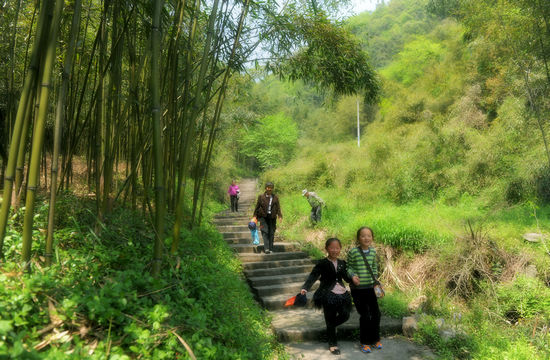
{"x": 362, "y": 289}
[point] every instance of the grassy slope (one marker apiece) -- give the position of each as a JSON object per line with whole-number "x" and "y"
{"x": 431, "y": 165}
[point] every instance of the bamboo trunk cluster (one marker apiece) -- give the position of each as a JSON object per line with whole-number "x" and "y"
{"x": 123, "y": 98}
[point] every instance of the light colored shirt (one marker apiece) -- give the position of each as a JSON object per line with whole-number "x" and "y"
{"x": 269, "y": 206}
{"x": 337, "y": 289}
{"x": 314, "y": 200}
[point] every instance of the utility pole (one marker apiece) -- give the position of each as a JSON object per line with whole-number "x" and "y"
{"x": 358, "y": 128}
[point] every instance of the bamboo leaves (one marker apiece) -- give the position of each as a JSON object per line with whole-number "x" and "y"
{"x": 141, "y": 110}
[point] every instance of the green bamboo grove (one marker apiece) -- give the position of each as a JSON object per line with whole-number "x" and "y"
{"x": 136, "y": 90}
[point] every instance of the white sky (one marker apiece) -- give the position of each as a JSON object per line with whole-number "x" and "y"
{"x": 363, "y": 5}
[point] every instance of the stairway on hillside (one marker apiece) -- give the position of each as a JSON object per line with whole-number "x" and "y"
{"x": 275, "y": 277}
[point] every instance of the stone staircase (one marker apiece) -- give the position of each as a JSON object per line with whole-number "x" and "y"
{"x": 275, "y": 277}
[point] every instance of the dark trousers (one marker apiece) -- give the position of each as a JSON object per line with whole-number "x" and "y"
{"x": 334, "y": 315}
{"x": 316, "y": 214}
{"x": 366, "y": 304}
{"x": 234, "y": 203}
{"x": 268, "y": 226}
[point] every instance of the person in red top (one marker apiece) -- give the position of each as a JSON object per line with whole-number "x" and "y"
{"x": 233, "y": 192}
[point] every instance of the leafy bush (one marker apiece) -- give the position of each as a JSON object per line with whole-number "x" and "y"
{"x": 403, "y": 236}
{"x": 525, "y": 298}
{"x": 416, "y": 56}
{"x": 320, "y": 176}
{"x": 272, "y": 141}
{"x": 515, "y": 191}
{"x": 456, "y": 347}
{"x": 394, "y": 304}
{"x": 542, "y": 184}
{"x": 98, "y": 300}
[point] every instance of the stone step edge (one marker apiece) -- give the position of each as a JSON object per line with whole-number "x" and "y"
{"x": 346, "y": 331}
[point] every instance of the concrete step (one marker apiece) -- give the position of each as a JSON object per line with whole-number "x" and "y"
{"x": 245, "y": 258}
{"x": 237, "y": 235}
{"x": 239, "y": 241}
{"x": 275, "y": 264}
{"x": 277, "y": 289}
{"x": 277, "y": 279}
{"x": 231, "y": 221}
{"x": 277, "y": 247}
{"x": 233, "y": 227}
{"x": 308, "y": 324}
{"x": 228, "y": 214}
{"x": 280, "y": 270}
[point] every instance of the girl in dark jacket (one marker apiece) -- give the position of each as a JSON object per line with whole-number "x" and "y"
{"x": 332, "y": 296}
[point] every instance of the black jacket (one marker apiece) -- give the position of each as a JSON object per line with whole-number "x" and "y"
{"x": 263, "y": 203}
{"x": 328, "y": 277}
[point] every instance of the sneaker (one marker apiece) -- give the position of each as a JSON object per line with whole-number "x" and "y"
{"x": 365, "y": 349}
{"x": 378, "y": 345}
{"x": 267, "y": 252}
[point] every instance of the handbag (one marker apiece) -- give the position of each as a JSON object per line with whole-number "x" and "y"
{"x": 254, "y": 231}
{"x": 378, "y": 289}
{"x": 298, "y": 300}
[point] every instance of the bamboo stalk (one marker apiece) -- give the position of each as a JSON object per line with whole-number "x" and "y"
{"x": 38, "y": 137}
{"x": 195, "y": 110}
{"x": 157, "y": 137}
{"x": 59, "y": 119}
{"x": 25, "y": 100}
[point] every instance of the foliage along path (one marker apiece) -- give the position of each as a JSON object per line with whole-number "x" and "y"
{"x": 275, "y": 277}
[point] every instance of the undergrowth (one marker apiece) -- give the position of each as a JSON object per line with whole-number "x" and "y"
{"x": 99, "y": 301}
{"x": 466, "y": 256}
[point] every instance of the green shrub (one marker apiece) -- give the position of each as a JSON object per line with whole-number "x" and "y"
{"x": 272, "y": 141}
{"x": 394, "y": 304}
{"x": 525, "y": 298}
{"x": 102, "y": 295}
{"x": 460, "y": 346}
{"x": 542, "y": 184}
{"x": 402, "y": 236}
{"x": 320, "y": 176}
{"x": 515, "y": 191}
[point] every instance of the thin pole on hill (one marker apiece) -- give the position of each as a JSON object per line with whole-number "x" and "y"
{"x": 38, "y": 136}
{"x": 157, "y": 137}
{"x": 358, "y": 127}
{"x": 24, "y": 101}
{"x": 59, "y": 119}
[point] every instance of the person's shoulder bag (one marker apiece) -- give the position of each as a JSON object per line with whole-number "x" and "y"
{"x": 378, "y": 289}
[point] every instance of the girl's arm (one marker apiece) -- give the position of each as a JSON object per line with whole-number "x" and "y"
{"x": 345, "y": 274}
{"x": 352, "y": 267}
{"x": 312, "y": 278}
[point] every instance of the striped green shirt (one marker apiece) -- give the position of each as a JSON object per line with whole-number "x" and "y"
{"x": 356, "y": 266}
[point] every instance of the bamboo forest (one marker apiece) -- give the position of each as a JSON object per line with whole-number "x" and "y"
{"x": 140, "y": 139}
